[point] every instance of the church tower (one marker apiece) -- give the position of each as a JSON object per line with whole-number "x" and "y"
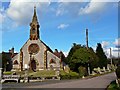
{"x": 34, "y": 27}
{"x": 35, "y": 54}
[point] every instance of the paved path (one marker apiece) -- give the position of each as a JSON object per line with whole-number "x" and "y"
{"x": 96, "y": 82}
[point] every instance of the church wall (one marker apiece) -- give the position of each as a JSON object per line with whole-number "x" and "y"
{"x": 55, "y": 65}
{"x": 39, "y": 56}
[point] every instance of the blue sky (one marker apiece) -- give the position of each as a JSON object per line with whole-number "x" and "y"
{"x": 61, "y": 24}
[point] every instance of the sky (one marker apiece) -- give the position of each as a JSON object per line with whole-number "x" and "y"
{"x": 61, "y": 24}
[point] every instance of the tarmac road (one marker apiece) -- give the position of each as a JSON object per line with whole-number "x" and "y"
{"x": 96, "y": 82}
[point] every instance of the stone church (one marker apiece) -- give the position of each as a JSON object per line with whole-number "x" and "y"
{"x": 35, "y": 54}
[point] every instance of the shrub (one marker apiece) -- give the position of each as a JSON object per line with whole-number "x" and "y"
{"x": 118, "y": 71}
{"x": 7, "y": 73}
{"x": 82, "y": 71}
{"x": 70, "y": 75}
{"x": 74, "y": 75}
{"x": 113, "y": 86}
{"x": 65, "y": 76}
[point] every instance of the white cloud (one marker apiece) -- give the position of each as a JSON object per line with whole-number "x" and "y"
{"x": 61, "y": 8}
{"x": 60, "y": 12}
{"x": 0, "y": 40}
{"x": 68, "y": 7}
{"x": 62, "y": 26}
{"x": 21, "y": 11}
{"x": 65, "y": 53}
{"x": 117, "y": 42}
{"x": 114, "y": 52}
{"x": 105, "y": 44}
{"x": 93, "y": 7}
{"x": 2, "y": 16}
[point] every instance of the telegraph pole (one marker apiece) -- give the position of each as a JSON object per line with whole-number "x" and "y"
{"x": 87, "y": 49}
{"x": 118, "y": 56}
{"x": 111, "y": 56}
{"x": 87, "y": 38}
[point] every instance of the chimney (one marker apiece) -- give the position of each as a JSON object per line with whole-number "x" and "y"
{"x": 11, "y": 51}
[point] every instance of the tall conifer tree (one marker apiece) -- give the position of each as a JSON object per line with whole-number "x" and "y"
{"x": 101, "y": 55}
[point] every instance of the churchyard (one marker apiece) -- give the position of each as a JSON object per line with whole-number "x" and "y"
{"x": 28, "y": 76}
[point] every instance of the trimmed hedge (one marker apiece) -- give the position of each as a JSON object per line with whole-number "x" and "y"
{"x": 70, "y": 75}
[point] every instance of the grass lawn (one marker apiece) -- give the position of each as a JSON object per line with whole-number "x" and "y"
{"x": 113, "y": 86}
{"x": 32, "y": 73}
{"x": 42, "y": 73}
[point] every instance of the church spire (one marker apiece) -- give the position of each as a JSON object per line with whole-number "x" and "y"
{"x": 34, "y": 31}
{"x": 34, "y": 19}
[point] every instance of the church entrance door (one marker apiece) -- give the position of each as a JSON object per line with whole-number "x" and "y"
{"x": 33, "y": 65}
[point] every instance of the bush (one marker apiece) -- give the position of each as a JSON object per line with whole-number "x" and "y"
{"x": 7, "y": 73}
{"x": 118, "y": 71}
{"x": 65, "y": 76}
{"x": 70, "y": 75}
{"x": 74, "y": 75}
{"x": 82, "y": 71}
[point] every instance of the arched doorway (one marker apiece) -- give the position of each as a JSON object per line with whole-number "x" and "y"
{"x": 33, "y": 65}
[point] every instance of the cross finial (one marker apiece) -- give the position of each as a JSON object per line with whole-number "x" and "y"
{"x": 35, "y": 7}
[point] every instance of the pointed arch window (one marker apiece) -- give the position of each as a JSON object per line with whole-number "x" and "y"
{"x": 15, "y": 62}
{"x": 52, "y": 61}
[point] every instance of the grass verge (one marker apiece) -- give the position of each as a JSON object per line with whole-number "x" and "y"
{"x": 113, "y": 86}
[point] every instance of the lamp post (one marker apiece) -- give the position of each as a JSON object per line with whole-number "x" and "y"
{"x": 26, "y": 73}
{"x": 30, "y": 59}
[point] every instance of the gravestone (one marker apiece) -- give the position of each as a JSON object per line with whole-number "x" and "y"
{"x": 104, "y": 69}
{"x": 57, "y": 73}
{"x": 108, "y": 67}
{"x": 98, "y": 69}
{"x": 66, "y": 69}
{"x": 93, "y": 73}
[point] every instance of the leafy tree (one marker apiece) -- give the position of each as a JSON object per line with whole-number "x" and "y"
{"x": 72, "y": 50}
{"x": 4, "y": 61}
{"x": 93, "y": 60}
{"x": 101, "y": 55}
{"x": 81, "y": 56}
